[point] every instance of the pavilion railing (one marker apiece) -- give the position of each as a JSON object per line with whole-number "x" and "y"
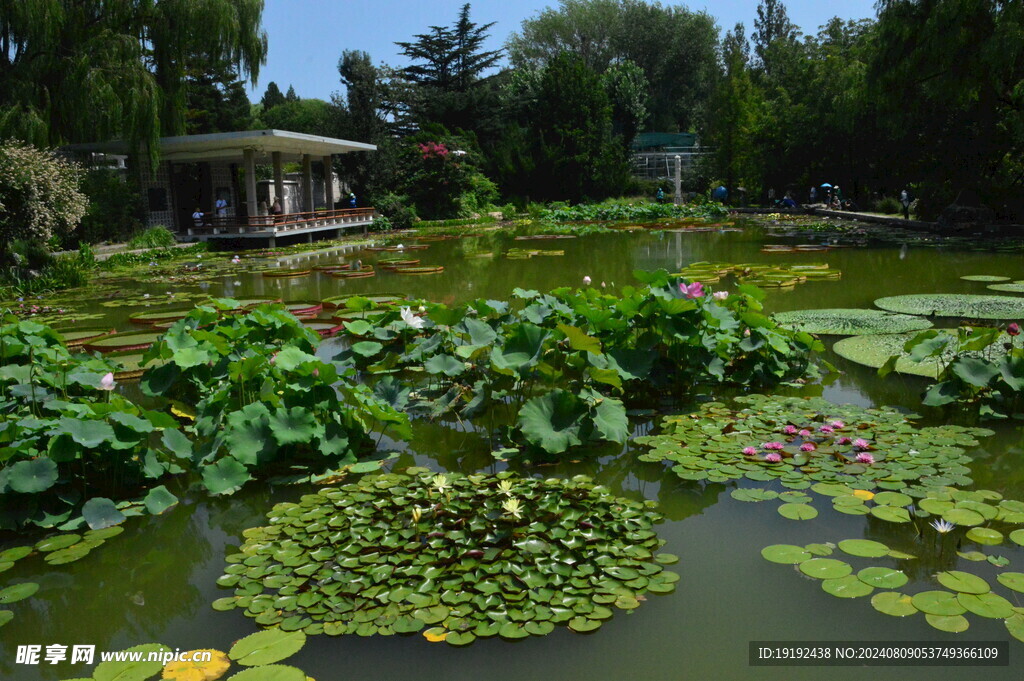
{"x": 283, "y": 223}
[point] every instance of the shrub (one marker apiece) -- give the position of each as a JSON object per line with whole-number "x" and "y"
{"x": 154, "y": 237}
{"x": 396, "y": 209}
{"x": 115, "y": 208}
{"x": 508, "y": 211}
{"x": 39, "y": 196}
{"x": 888, "y": 205}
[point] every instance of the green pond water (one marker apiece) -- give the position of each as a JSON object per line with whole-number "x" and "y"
{"x": 155, "y": 582}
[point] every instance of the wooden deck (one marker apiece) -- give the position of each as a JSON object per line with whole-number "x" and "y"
{"x": 273, "y": 226}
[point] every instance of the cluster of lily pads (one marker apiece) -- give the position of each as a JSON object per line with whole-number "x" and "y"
{"x": 943, "y": 609}
{"x": 765, "y": 276}
{"x": 456, "y": 557}
{"x": 802, "y": 441}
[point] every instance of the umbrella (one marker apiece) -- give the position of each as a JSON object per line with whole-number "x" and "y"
{"x": 826, "y": 185}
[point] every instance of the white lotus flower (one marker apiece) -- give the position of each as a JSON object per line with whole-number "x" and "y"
{"x": 440, "y": 482}
{"x": 720, "y": 295}
{"x": 412, "y": 320}
{"x": 505, "y": 487}
{"x": 513, "y": 508}
{"x": 107, "y": 382}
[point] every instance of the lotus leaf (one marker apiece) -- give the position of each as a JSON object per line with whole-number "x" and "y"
{"x": 210, "y": 670}
{"x": 851, "y": 322}
{"x": 964, "y": 306}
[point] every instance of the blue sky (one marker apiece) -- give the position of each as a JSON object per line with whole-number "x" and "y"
{"x": 308, "y": 36}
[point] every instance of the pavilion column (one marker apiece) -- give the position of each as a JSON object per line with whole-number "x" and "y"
{"x": 278, "y": 178}
{"x": 307, "y": 183}
{"x": 251, "y": 207}
{"x": 329, "y": 182}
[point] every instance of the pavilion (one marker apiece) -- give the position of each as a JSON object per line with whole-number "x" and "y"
{"x": 197, "y": 170}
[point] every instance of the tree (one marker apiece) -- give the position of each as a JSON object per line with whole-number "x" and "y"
{"x": 310, "y": 116}
{"x": 447, "y": 70}
{"x": 291, "y": 96}
{"x": 628, "y": 92}
{"x": 675, "y": 47}
{"x": 39, "y": 196}
{"x": 79, "y": 70}
{"x": 771, "y": 26}
{"x": 734, "y": 105}
{"x": 216, "y": 99}
{"x": 272, "y": 97}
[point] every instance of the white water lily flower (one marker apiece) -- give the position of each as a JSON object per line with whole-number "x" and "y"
{"x": 416, "y": 514}
{"x": 512, "y": 507}
{"x": 505, "y": 487}
{"x": 412, "y": 320}
{"x": 943, "y": 526}
{"x": 440, "y": 482}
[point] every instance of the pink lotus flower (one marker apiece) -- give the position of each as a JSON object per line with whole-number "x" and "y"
{"x": 1013, "y": 329}
{"x": 826, "y": 429}
{"x": 838, "y": 424}
{"x": 807, "y": 447}
{"x": 107, "y": 382}
{"x": 586, "y": 281}
{"x": 694, "y": 290}
{"x": 843, "y": 440}
{"x": 746, "y": 333}
{"x": 805, "y": 433}
{"x": 749, "y": 451}
{"x": 789, "y": 430}
{"x": 720, "y": 295}
{"x": 772, "y": 445}
{"x": 861, "y": 443}
{"x": 864, "y": 457}
{"x": 774, "y": 457}
{"x": 273, "y": 358}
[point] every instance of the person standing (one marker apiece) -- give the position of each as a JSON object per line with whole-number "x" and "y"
{"x": 660, "y": 196}
{"x": 222, "y": 208}
{"x": 905, "y": 201}
{"x": 351, "y": 200}
{"x": 814, "y": 195}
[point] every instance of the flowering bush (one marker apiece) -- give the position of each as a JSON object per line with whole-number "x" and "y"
{"x": 39, "y": 196}
{"x": 443, "y": 179}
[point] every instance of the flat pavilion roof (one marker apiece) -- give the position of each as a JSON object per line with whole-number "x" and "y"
{"x": 228, "y": 146}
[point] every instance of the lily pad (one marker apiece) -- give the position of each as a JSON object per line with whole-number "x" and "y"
{"x": 962, "y": 582}
{"x": 985, "y": 535}
{"x": 786, "y": 554}
{"x": 959, "y": 305}
{"x": 847, "y": 587}
{"x": 1012, "y": 580}
{"x": 988, "y": 605}
{"x": 267, "y": 647}
{"x": 883, "y": 577}
{"x": 18, "y": 592}
{"x": 798, "y": 511}
{"x": 825, "y": 568}
{"x": 941, "y": 603}
{"x": 985, "y": 277}
{"x": 273, "y": 672}
{"x": 893, "y": 603}
{"x": 850, "y": 322}
{"x": 953, "y": 624}
{"x": 864, "y": 548}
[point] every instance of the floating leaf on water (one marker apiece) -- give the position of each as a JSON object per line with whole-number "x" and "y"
{"x": 850, "y": 322}
{"x": 210, "y": 670}
{"x": 976, "y": 556}
{"x": 960, "y": 305}
{"x": 786, "y": 554}
{"x": 882, "y": 577}
{"x": 1017, "y": 537}
{"x": 819, "y": 549}
{"x": 753, "y": 494}
{"x": 988, "y": 605}
{"x": 953, "y": 624}
{"x": 18, "y": 592}
{"x": 273, "y": 672}
{"x": 16, "y": 553}
{"x": 846, "y": 587}
{"x": 1015, "y": 625}
{"x": 941, "y": 603}
{"x": 893, "y": 603}
{"x": 1012, "y": 580}
{"x": 131, "y": 670}
{"x": 985, "y": 277}
{"x": 825, "y": 568}
{"x": 892, "y": 514}
{"x": 864, "y": 548}
{"x": 962, "y": 582}
{"x": 57, "y": 542}
{"x": 266, "y": 647}
{"x": 798, "y": 511}
{"x": 985, "y": 535}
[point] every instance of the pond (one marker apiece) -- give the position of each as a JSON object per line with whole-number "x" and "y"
{"x": 157, "y": 580}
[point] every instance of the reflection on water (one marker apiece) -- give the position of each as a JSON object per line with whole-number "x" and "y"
{"x": 154, "y": 583}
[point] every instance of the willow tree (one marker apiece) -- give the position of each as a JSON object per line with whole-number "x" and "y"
{"x": 82, "y": 70}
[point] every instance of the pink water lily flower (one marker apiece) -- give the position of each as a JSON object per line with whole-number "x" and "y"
{"x": 807, "y": 447}
{"x": 827, "y": 429}
{"x": 774, "y": 457}
{"x": 842, "y": 440}
{"x": 805, "y": 433}
{"x": 861, "y": 443}
{"x": 772, "y": 445}
{"x": 749, "y": 451}
{"x": 107, "y": 382}
{"x": 838, "y": 424}
{"x": 864, "y": 457}
{"x": 789, "y": 430}
{"x": 694, "y": 290}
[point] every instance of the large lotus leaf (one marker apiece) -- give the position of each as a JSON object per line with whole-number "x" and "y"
{"x": 985, "y": 535}
{"x": 266, "y": 647}
{"x": 100, "y": 513}
{"x": 522, "y": 346}
{"x": 850, "y": 322}
{"x": 292, "y": 426}
{"x": 553, "y": 421}
{"x": 249, "y": 436}
{"x": 1012, "y": 580}
{"x": 610, "y": 420}
{"x": 85, "y": 432}
{"x": 579, "y": 340}
{"x": 158, "y": 500}
{"x": 480, "y": 333}
{"x": 30, "y": 477}
{"x": 444, "y": 364}
{"x": 225, "y": 476}
{"x": 955, "y": 305}
{"x": 825, "y": 568}
{"x": 128, "y": 670}
{"x": 291, "y": 358}
{"x": 798, "y": 511}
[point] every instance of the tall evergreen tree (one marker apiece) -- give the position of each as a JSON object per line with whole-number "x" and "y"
{"x": 290, "y": 96}
{"x": 272, "y": 97}
{"x": 216, "y": 98}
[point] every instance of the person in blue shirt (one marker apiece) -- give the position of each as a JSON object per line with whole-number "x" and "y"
{"x": 660, "y": 197}
{"x": 351, "y": 200}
